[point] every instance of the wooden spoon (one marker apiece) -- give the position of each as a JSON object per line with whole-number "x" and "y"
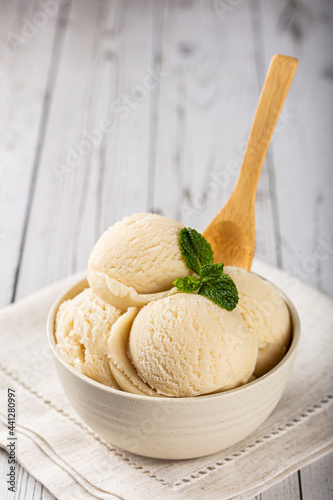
{"x": 232, "y": 232}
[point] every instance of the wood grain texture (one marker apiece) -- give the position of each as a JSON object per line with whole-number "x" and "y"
{"x": 196, "y": 139}
{"x": 303, "y": 177}
{"x": 178, "y": 82}
{"x": 317, "y": 479}
{"x": 26, "y": 66}
{"x": 85, "y": 186}
{"x": 287, "y": 489}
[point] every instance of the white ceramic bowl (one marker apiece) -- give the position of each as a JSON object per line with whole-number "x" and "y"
{"x": 173, "y": 428}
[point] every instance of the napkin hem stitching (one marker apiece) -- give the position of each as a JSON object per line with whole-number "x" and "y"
{"x": 305, "y": 414}
{"x": 55, "y": 458}
{"x": 95, "y": 436}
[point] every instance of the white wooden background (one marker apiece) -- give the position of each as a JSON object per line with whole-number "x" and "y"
{"x": 174, "y": 148}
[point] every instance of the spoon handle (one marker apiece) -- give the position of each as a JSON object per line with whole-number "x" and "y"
{"x": 278, "y": 80}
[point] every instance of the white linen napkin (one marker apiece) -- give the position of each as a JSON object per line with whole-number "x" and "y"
{"x": 59, "y": 449}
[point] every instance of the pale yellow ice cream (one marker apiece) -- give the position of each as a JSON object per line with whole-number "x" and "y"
{"x": 83, "y": 326}
{"x": 122, "y": 369}
{"x": 265, "y": 314}
{"x": 186, "y": 345}
{"x": 134, "y": 331}
{"x": 136, "y": 260}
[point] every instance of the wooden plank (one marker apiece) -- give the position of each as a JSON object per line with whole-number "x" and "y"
{"x": 30, "y": 40}
{"x": 317, "y": 479}
{"x": 302, "y": 153}
{"x": 26, "y": 64}
{"x": 206, "y": 107}
{"x": 104, "y": 73}
{"x": 287, "y": 489}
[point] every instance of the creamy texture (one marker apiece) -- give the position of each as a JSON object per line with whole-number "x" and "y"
{"x": 120, "y": 295}
{"x": 265, "y": 314}
{"x": 121, "y": 367}
{"x": 185, "y": 345}
{"x": 136, "y": 258}
{"x": 134, "y": 331}
{"x": 82, "y": 330}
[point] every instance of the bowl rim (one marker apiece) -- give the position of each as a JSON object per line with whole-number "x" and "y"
{"x": 83, "y": 283}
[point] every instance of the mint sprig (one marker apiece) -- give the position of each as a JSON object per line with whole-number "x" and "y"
{"x": 212, "y": 282}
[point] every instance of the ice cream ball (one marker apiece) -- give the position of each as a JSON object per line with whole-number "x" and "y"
{"x": 82, "y": 329}
{"x": 185, "y": 345}
{"x": 136, "y": 260}
{"x": 265, "y": 314}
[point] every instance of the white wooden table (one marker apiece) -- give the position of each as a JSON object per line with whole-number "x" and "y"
{"x": 112, "y": 107}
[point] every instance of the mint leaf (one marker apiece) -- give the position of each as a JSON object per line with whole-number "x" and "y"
{"x": 195, "y": 249}
{"x": 221, "y": 291}
{"x": 188, "y": 251}
{"x": 189, "y": 284}
{"x": 201, "y": 247}
{"x": 211, "y": 272}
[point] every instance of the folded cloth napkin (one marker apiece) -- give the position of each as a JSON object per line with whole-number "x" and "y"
{"x": 59, "y": 449}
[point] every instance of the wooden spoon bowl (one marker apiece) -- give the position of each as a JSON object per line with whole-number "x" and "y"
{"x": 231, "y": 244}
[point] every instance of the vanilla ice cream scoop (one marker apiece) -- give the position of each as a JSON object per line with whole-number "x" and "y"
{"x": 136, "y": 260}
{"x": 186, "y": 345}
{"x": 83, "y": 326}
{"x": 265, "y": 314}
